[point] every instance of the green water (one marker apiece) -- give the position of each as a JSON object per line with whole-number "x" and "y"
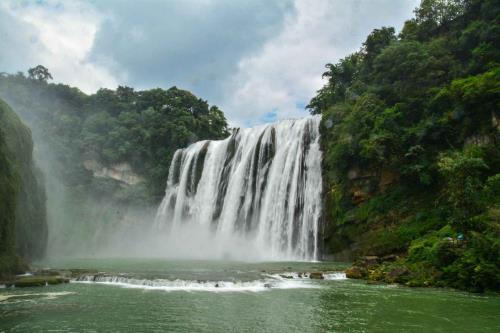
{"x": 240, "y": 303}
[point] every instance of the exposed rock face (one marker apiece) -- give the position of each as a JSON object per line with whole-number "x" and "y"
{"x": 121, "y": 172}
{"x": 361, "y": 184}
{"x": 23, "y": 223}
{"x": 387, "y": 179}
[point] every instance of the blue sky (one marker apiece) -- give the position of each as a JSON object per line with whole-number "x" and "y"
{"x": 259, "y": 60}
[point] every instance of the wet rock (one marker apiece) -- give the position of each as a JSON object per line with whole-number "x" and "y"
{"x": 72, "y": 273}
{"x": 217, "y": 285}
{"x": 76, "y": 272}
{"x": 355, "y": 272}
{"x": 316, "y": 275}
{"x": 267, "y": 285}
{"x": 286, "y": 276}
{"x": 35, "y": 281}
{"x": 48, "y": 272}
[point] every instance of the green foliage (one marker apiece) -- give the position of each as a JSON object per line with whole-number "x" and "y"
{"x": 39, "y": 73}
{"x": 410, "y": 135}
{"x": 8, "y": 188}
{"x": 23, "y": 226}
{"x": 141, "y": 128}
{"x": 462, "y": 172}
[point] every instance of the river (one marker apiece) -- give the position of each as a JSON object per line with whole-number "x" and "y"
{"x": 156, "y": 295}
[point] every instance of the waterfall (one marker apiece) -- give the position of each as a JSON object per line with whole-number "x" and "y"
{"x": 257, "y": 191}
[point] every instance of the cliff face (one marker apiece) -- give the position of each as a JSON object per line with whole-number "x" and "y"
{"x": 121, "y": 172}
{"x": 23, "y": 223}
{"x": 8, "y": 193}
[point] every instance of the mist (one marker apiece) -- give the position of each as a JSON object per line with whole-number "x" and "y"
{"x": 81, "y": 222}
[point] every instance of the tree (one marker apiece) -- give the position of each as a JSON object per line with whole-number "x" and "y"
{"x": 376, "y": 41}
{"x": 462, "y": 172}
{"x": 39, "y": 73}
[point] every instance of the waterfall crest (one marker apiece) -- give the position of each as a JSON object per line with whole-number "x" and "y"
{"x": 257, "y": 191}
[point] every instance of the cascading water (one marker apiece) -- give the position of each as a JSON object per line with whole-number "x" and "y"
{"x": 256, "y": 193}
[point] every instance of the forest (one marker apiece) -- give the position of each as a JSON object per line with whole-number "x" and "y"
{"x": 77, "y": 136}
{"x": 366, "y": 198}
{"x": 410, "y": 135}
{"x": 142, "y": 128}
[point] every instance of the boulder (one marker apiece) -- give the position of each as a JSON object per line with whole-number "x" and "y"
{"x": 355, "y": 272}
{"x": 316, "y": 275}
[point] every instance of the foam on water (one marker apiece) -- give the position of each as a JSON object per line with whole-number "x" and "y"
{"x": 50, "y": 295}
{"x": 287, "y": 280}
{"x": 335, "y": 276}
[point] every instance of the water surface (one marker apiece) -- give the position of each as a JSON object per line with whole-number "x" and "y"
{"x": 249, "y": 297}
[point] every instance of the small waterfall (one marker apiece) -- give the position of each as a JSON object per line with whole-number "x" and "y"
{"x": 258, "y": 190}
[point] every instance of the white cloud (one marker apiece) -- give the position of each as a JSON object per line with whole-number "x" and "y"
{"x": 258, "y": 60}
{"x": 286, "y": 72}
{"x": 62, "y": 35}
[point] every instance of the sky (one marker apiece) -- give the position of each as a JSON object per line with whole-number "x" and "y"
{"x": 258, "y": 60}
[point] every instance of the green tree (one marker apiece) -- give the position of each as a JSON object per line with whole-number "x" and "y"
{"x": 463, "y": 173}
{"x": 39, "y": 73}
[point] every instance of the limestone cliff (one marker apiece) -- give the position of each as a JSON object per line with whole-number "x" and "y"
{"x": 23, "y": 225}
{"x": 121, "y": 172}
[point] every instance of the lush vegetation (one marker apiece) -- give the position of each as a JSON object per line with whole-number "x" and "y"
{"x": 78, "y": 136}
{"x": 141, "y": 128}
{"x": 23, "y": 225}
{"x": 410, "y": 134}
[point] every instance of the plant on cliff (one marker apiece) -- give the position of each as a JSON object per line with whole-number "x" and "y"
{"x": 410, "y": 134}
{"x": 23, "y": 226}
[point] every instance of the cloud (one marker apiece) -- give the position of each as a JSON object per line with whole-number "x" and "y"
{"x": 58, "y": 35}
{"x": 192, "y": 44}
{"x": 259, "y": 60}
{"x": 286, "y": 72}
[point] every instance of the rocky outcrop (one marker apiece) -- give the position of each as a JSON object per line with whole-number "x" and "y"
{"x": 355, "y": 272}
{"x": 121, "y": 172}
{"x": 363, "y": 184}
{"x": 316, "y": 275}
{"x": 35, "y": 281}
{"x": 388, "y": 269}
{"x": 23, "y": 224}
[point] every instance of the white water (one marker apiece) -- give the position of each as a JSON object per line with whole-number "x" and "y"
{"x": 287, "y": 280}
{"x": 254, "y": 195}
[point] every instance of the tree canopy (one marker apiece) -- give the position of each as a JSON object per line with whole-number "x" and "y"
{"x": 410, "y": 137}
{"x": 142, "y": 128}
